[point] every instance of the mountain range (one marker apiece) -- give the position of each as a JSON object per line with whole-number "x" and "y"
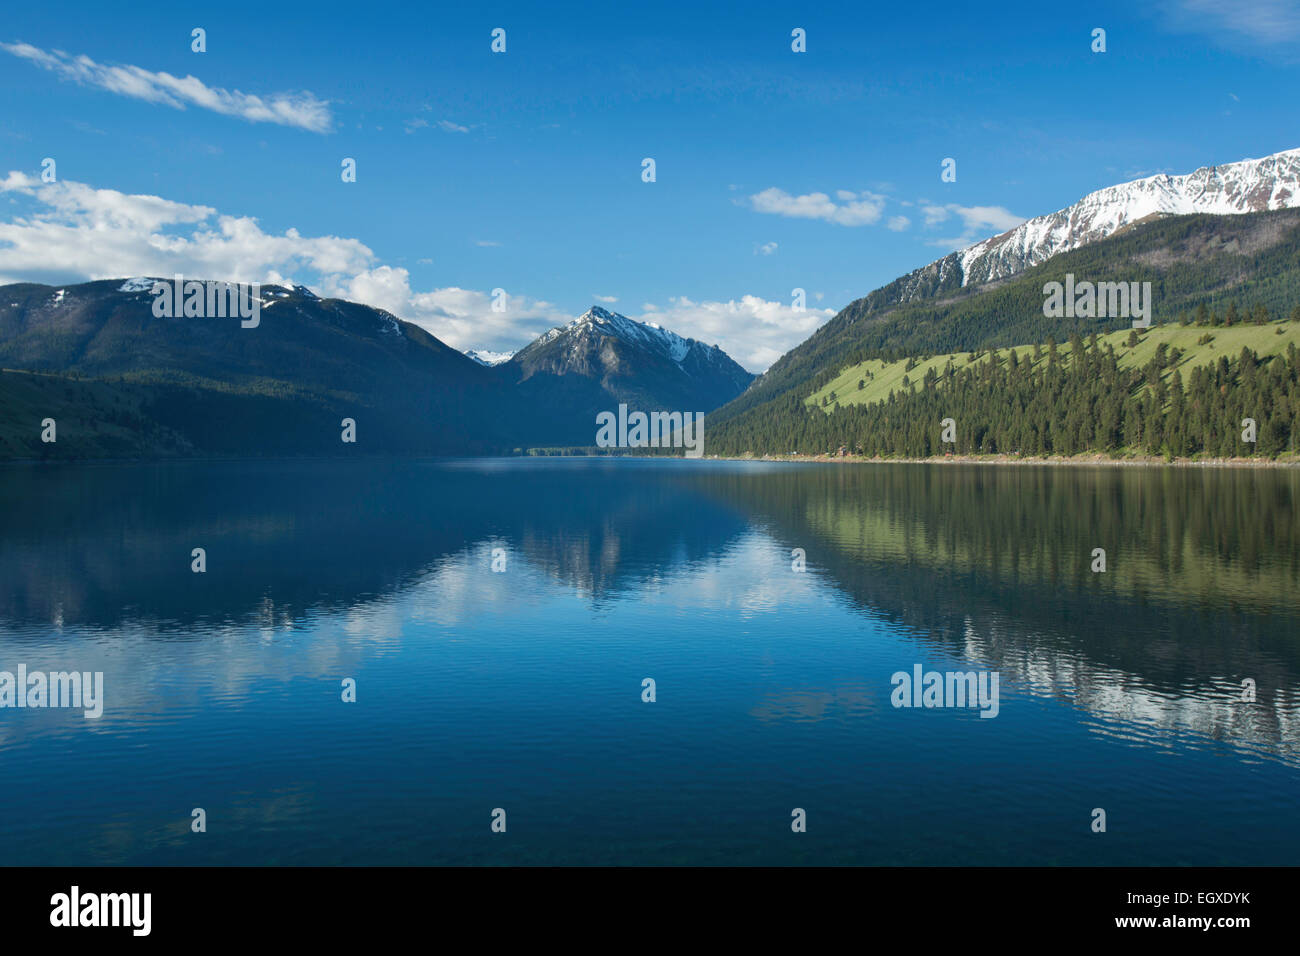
{"x": 121, "y": 381}
{"x": 1203, "y": 239}
{"x": 1252, "y": 185}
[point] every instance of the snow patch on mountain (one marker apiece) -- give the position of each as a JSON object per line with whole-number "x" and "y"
{"x": 488, "y": 357}
{"x": 647, "y": 335}
{"x": 639, "y": 361}
{"x": 1252, "y": 185}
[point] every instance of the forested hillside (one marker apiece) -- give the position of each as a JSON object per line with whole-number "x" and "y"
{"x": 1049, "y": 401}
{"x": 1211, "y": 271}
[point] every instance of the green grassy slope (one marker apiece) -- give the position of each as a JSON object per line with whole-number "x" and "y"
{"x": 1192, "y": 262}
{"x": 881, "y": 377}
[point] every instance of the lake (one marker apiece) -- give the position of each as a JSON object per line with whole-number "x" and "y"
{"x": 772, "y": 605}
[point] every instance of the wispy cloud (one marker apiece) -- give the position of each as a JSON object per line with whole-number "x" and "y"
{"x": 300, "y": 110}
{"x": 448, "y": 126}
{"x": 1271, "y": 25}
{"x": 766, "y": 249}
{"x": 978, "y": 222}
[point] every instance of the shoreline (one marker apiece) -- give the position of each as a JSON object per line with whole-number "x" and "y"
{"x": 1075, "y": 460}
{"x": 1088, "y": 460}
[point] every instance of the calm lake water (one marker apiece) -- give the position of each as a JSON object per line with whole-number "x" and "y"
{"x": 522, "y": 689}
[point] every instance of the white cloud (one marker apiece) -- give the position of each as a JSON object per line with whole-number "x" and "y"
{"x": 16, "y": 181}
{"x": 301, "y": 110}
{"x": 607, "y": 299}
{"x": 978, "y": 222}
{"x": 994, "y": 217}
{"x": 69, "y": 231}
{"x": 463, "y": 318}
{"x": 752, "y": 330}
{"x": 75, "y": 232}
{"x": 934, "y": 214}
{"x": 766, "y": 249}
{"x": 899, "y": 223}
{"x": 853, "y": 209}
{"x": 486, "y": 243}
{"x": 451, "y": 127}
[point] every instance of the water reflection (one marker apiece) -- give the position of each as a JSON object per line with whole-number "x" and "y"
{"x": 317, "y": 570}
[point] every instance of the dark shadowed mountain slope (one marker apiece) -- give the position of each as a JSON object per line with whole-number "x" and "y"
{"x": 122, "y": 382}
{"x": 209, "y": 385}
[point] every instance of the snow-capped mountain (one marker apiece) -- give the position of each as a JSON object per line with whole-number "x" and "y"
{"x": 645, "y": 334}
{"x": 601, "y": 359}
{"x": 1252, "y": 185}
{"x": 588, "y": 344}
{"x": 488, "y": 357}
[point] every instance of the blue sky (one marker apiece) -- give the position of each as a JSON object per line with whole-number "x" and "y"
{"x": 522, "y": 170}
